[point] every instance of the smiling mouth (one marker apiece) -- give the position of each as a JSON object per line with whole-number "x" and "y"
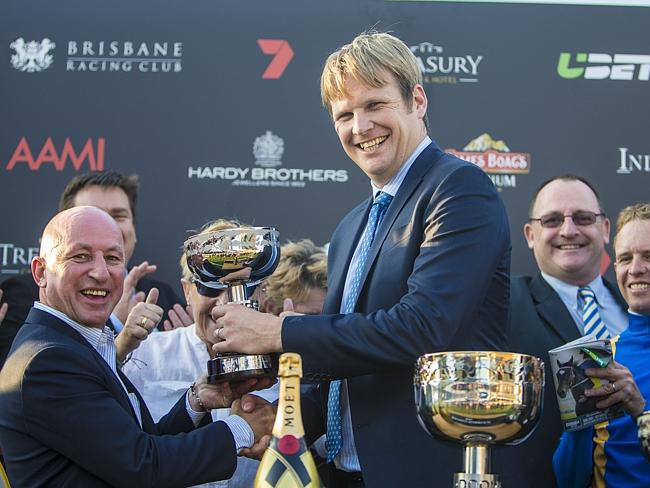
{"x": 92, "y": 292}
{"x": 638, "y": 286}
{"x": 569, "y": 247}
{"x": 372, "y": 144}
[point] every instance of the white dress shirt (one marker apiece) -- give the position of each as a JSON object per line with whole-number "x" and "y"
{"x": 162, "y": 369}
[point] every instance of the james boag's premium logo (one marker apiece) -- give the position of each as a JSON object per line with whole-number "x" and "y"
{"x": 92, "y": 153}
{"x": 32, "y": 56}
{"x": 282, "y": 56}
{"x": 601, "y": 66}
{"x": 629, "y": 163}
{"x": 438, "y": 68}
{"x": 268, "y": 150}
{"x": 15, "y": 259}
{"x": 496, "y": 159}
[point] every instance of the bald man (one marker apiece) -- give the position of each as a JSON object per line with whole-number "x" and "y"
{"x": 69, "y": 417}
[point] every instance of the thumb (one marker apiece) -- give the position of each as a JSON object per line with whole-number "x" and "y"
{"x": 248, "y": 403}
{"x": 287, "y": 305}
{"x": 152, "y": 297}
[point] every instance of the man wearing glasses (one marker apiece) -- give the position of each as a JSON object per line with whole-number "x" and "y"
{"x": 567, "y": 231}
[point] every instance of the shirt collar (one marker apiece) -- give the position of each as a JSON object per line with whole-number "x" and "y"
{"x": 569, "y": 293}
{"x": 395, "y": 182}
{"x": 93, "y": 335}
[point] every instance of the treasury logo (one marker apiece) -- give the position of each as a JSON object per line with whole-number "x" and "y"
{"x": 15, "y": 259}
{"x": 601, "y": 66}
{"x": 496, "y": 159}
{"x": 439, "y": 68}
{"x": 630, "y": 162}
{"x": 32, "y": 56}
{"x": 268, "y": 150}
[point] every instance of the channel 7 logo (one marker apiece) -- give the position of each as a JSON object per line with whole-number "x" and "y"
{"x": 282, "y": 56}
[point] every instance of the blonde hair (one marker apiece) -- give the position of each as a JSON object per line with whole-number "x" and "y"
{"x": 214, "y": 225}
{"x": 302, "y": 268}
{"x": 638, "y": 211}
{"x": 368, "y": 59}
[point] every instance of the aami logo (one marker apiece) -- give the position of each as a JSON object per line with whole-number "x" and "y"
{"x": 92, "y": 153}
{"x": 283, "y": 54}
{"x": 600, "y": 66}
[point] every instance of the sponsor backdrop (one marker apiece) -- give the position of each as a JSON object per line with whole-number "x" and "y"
{"x": 216, "y": 106}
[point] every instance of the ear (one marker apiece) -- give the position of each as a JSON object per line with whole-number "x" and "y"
{"x": 38, "y": 271}
{"x": 187, "y": 289}
{"x": 529, "y": 234}
{"x": 606, "y": 229}
{"x": 420, "y": 101}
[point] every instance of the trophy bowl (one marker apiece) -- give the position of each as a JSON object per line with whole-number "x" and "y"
{"x": 237, "y": 260}
{"x": 479, "y": 398}
{"x": 643, "y": 423}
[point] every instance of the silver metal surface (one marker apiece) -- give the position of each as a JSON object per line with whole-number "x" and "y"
{"x": 643, "y": 423}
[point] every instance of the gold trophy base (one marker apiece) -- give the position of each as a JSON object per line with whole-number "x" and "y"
{"x": 233, "y": 367}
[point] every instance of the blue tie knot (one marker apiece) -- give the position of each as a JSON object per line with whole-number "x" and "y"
{"x": 586, "y": 293}
{"x": 383, "y": 199}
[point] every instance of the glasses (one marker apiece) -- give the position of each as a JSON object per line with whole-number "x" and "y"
{"x": 556, "y": 219}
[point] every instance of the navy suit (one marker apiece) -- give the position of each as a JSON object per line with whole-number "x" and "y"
{"x": 436, "y": 280}
{"x": 65, "y": 420}
{"x": 539, "y": 321}
{"x": 21, "y": 291}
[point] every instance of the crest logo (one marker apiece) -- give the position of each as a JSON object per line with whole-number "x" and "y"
{"x": 268, "y": 150}
{"x": 32, "y": 56}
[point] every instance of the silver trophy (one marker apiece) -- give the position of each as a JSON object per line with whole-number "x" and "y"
{"x": 643, "y": 424}
{"x": 237, "y": 260}
{"x": 479, "y": 398}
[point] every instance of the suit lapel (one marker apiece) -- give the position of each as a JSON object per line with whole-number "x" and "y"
{"x": 422, "y": 164}
{"x": 40, "y": 318}
{"x": 551, "y": 308}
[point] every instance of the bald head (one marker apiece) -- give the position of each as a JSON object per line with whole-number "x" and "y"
{"x": 80, "y": 269}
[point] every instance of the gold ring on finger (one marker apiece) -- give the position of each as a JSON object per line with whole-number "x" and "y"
{"x": 143, "y": 322}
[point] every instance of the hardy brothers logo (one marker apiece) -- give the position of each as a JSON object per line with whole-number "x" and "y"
{"x": 32, "y": 56}
{"x": 600, "y": 66}
{"x": 15, "y": 259}
{"x": 629, "y": 163}
{"x": 437, "y": 68}
{"x": 92, "y": 153}
{"x": 268, "y": 150}
{"x": 496, "y": 159}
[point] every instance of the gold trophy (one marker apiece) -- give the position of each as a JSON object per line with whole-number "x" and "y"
{"x": 237, "y": 260}
{"x": 643, "y": 423}
{"x": 479, "y": 398}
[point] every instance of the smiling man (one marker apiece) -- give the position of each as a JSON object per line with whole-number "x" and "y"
{"x": 567, "y": 231}
{"x": 608, "y": 454}
{"x": 420, "y": 265}
{"x": 69, "y": 417}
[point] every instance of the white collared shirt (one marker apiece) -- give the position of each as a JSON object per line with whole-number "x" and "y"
{"x": 347, "y": 458}
{"x": 610, "y": 311}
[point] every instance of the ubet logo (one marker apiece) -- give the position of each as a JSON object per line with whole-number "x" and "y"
{"x": 282, "y": 56}
{"x": 599, "y": 66}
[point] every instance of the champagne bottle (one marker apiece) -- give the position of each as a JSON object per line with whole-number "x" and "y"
{"x": 287, "y": 463}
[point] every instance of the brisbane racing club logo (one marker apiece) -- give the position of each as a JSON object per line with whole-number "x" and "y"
{"x": 282, "y": 56}
{"x": 440, "y": 68}
{"x": 601, "y": 66}
{"x": 32, "y": 56}
{"x": 496, "y": 159}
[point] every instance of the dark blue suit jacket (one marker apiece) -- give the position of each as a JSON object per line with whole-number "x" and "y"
{"x": 65, "y": 420}
{"x": 437, "y": 280}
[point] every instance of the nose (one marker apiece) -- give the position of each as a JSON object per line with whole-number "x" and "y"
{"x": 362, "y": 124}
{"x": 99, "y": 268}
{"x": 638, "y": 266}
{"x": 568, "y": 227}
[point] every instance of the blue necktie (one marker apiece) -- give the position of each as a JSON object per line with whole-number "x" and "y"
{"x": 591, "y": 320}
{"x": 334, "y": 440}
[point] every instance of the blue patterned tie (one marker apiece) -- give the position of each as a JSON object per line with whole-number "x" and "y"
{"x": 334, "y": 439}
{"x": 593, "y": 324}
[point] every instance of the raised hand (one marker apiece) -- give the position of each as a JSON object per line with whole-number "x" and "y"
{"x": 143, "y": 318}
{"x": 129, "y": 297}
{"x": 178, "y": 317}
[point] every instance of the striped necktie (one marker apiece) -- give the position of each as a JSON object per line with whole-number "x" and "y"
{"x": 334, "y": 439}
{"x": 591, "y": 320}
